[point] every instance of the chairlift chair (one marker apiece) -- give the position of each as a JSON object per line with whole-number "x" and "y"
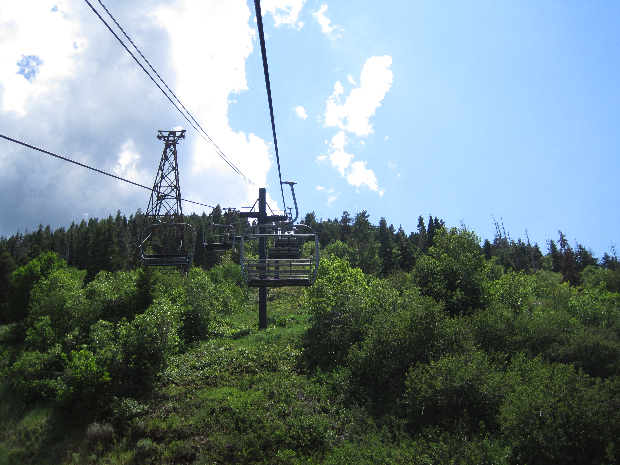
{"x": 285, "y": 263}
{"x": 219, "y": 237}
{"x": 165, "y": 244}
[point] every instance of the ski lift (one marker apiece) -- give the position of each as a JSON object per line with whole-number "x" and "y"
{"x": 285, "y": 263}
{"x": 219, "y": 237}
{"x": 166, "y": 244}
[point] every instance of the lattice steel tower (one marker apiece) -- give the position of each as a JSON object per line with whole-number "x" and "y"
{"x": 165, "y": 198}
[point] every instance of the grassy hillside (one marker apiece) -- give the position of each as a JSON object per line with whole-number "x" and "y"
{"x": 457, "y": 361}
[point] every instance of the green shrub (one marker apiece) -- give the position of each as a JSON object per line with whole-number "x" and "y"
{"x": 553, "y": 414}
{"x": 114, "y": 296}
{"x": 145, "y": 448}
{"x": 497, "y": 330}
{"x": 465, "y": 388}
{"x": 415, "y": 330}
{"x": 594, "y": 350}
{"x": 23, "y": 281}
{"x": 453, "y": 272}
{"x": 143, "y": 346}
{"x": 41, "y": 336}
{"x": 84, "y": 386}
{"x": 342, "y": 303}
{"x": 594, "y": 277}
{"x": 35, "y": 375}
{"x": 517, "y": 292}
{"x": 595, "y": 306}
{"x": 61, "y": 298}
{"x": 99, "y": 433}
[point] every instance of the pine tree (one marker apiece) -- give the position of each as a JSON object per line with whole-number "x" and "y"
{"x": 422, "y": 236}
{"x": 569, "y": 270}
{"x": 103, "y": 249}
{"x": 386, "y": 247}
{"x": 363, "y": 245}
{"x": 430, "y": 232}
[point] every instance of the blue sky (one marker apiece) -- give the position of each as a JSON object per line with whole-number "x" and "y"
{"x": 468, "y": 111}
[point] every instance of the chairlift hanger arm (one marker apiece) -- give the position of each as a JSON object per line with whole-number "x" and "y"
{"x": 291, "y": 184}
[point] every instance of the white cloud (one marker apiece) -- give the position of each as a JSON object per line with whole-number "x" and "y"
{"x": 91, "y": 102}
{"x": 320, "y": 188}
{"x": 284, "y": 11}
{"x": 127, "y": 163}
{"x": 360, "y": 105}
{"x": 194, "y": 21}
{"x": 339, "y": 158}
{"x": 323, "y": 20}
{"x": 301, "y": 112}
{"x": 335, "y": 112}
{"x": 359, "y": 176}
{"x": 353, "y": 116}
{"x": 351, "y": 80}
{"x": 23, "y": 24}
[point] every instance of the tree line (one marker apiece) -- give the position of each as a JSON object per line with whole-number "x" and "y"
{"x": 111, "y": 244}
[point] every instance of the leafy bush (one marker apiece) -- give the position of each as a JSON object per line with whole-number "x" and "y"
{"x": 23, "y": 281}
{"x": 415, "y": 330}
{"x": 453, "y": 272}
{"x": 145, "y": 448}
{"x": 595, "y": 306}
{"x": 100, "y": 433}
{"x": 84, "y": 386}
{"x": 342, "y": 303}
{"x": 594, "y": 277}
{"x": 594, "y": 350}
{"x": 35, "y": 374}
{"x": 515, "y": 291}
{"x": 143, "y": 345}
{"x": 61, "y": 298}
{"x": 553, "y": 414}
{"x": 464, "y": 388}
{"x": 114, "y": 296}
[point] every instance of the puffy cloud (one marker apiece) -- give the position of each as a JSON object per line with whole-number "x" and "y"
{"x": 91, "y": 102}
{"x": 339, "y": 158}
{"x": 284, "y": 11}
{"x": 301, "y": 112}
{"x": 360, "y": 105}
{"x": 24, "y": 56}
{"x": 194, "y": 21}
{"x": 127, "y": 160}
{"x": 323, "y": 20}
{"x": 359, "y": 176}
{"x": 353, "y": 116}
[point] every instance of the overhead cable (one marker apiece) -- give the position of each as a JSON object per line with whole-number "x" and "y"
{"x": 193, "y": 124}
{"x": 90, "y": 167}
{"x": 259, "y": 21}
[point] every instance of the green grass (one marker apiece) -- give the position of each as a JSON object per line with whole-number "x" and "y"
{"x": 236, "y": 397}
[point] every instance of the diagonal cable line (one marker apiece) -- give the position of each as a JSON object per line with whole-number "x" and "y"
{"x": 200, "y": 131}
{"x": 218, "y": 150}
{"x": 90, "y": 167}
{"x": 259, "y": 21}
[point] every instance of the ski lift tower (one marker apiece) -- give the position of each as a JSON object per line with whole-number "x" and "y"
{"x": 165, "y": 243}
{"x": 165, "y": 198}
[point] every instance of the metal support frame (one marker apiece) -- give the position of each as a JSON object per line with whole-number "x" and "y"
{"x": 165, "y": 198}
{"x": 279, "y": 271}
{"x": 165, "y": 209}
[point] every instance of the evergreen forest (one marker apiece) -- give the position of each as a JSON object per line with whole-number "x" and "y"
{"x": 429, "y": 347}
